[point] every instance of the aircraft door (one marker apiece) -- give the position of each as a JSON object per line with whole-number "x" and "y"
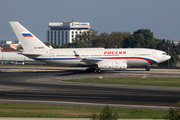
{"x": 154, "y": 54}
{"x": 51, "y": 55}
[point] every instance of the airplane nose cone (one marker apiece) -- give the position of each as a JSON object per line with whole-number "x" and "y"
{"x": 169, "y": 57}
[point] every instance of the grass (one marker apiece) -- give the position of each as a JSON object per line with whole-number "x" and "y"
{"x": 171, "y": 82}
{"x": 52, "y": 111}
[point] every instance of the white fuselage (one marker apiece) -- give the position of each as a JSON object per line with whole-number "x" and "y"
{"x": 131, "y": 56}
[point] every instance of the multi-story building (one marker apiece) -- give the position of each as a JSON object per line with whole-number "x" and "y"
{"x": 8, "y": 43}
{"x": 65, "y": 32}
{"x": 177, "y": 42}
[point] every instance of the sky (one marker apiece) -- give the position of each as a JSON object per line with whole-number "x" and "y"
{"x": 162, "y": 17}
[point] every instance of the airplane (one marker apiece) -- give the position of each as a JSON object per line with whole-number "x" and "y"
{"x": 94, "y": 59}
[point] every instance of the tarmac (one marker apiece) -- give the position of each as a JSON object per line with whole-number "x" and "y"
{"x": 31, "y": 76}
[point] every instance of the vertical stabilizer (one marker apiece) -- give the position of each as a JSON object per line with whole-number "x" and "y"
{"x": 28, "y": 41}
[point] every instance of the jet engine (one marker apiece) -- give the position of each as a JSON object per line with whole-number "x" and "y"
{"x": 110, "y": 64}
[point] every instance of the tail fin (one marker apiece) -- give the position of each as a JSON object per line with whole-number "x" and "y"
{"x": 77, "y": 55}
{"x": 28, "y": 41}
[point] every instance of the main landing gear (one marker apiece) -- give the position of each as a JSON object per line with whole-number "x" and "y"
{"x": 147, "y": 68}
{"x": 93, "y": 69}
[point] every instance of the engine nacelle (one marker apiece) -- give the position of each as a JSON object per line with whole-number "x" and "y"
{"x": 110, "y": 64}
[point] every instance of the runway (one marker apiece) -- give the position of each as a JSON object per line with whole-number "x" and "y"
{"x": 44, "y": 85}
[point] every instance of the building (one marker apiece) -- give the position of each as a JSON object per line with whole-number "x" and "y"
{"x": 61, "y": 33}
{"x": 6, "y": 42}
{"x": 11, "y": 44}
{"x": 177, "y": 42}
{"x": 11, "y": 56}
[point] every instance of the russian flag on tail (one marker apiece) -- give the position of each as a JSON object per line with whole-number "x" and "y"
{"x": 27, "y": 35}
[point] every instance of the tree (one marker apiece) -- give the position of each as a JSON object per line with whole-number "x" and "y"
{"x": 174, "y": 58}
{"x": 86, "y": 36}
{"x": 106, "y": 114}
{"x": 117, "y": 38}
{"x": 47, "y": 43}
{"x": 129, "y": 41}
{"x": 142, "y": 38}
{"x": 101, "y": 40}
{"x": 174, "y": 113}
{"x": 77, "y": 44}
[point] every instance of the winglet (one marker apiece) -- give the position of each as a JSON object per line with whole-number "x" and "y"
{"x": 77, "y": 55}
{"x": 50, "y": 47}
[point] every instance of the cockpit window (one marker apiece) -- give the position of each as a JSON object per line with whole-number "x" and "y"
{"x": 164, "y": 53}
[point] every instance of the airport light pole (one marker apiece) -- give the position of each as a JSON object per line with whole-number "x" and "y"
{"x": 168, "y": 54}
{"x": 2, "y": 53}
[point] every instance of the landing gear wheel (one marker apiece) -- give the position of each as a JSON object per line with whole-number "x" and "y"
{"x": 91, "y": 70}
{"x": 99, "y": 70}
{"x": 147, "y": 69}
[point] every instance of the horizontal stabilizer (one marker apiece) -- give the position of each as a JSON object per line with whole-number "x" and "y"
{"x": 32, "y": 55}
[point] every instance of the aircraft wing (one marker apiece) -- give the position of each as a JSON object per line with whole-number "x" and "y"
{"x": 86, "y": 60}
{"x": 90, "y": 60}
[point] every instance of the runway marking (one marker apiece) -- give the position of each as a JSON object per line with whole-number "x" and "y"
{"x": 100, "y": 77}
{"x": 8, "y": 87}
{"x": 31, "y": 95}
{"x": 135, "y": 74}
{"x": 81, "y": 103}
{"x": 56, "y": 96}
{"x": 144, "y": 76}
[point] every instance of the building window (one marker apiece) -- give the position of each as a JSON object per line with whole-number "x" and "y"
{"x": 58, "y": 34}
{"x": 48, "y": 35}
{"x": 58, "y": 41}
{"x": 62, "y": 37}
{"x": 55, "y": 39}
{"x": 59, "y": 38}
